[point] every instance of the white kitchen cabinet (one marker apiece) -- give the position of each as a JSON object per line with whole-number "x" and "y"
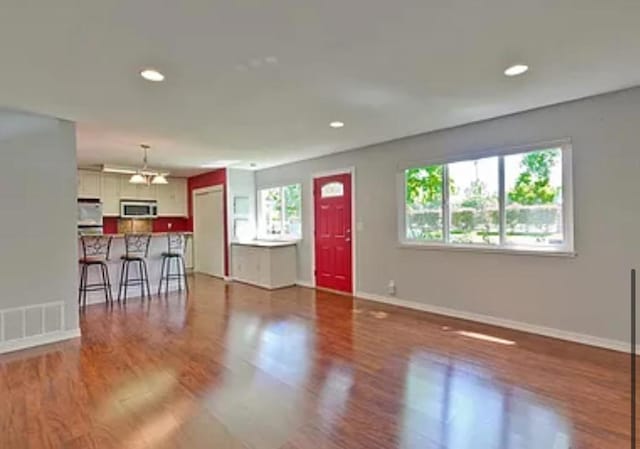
{"x": 130, "y": 191}
{"x": 188, "y": 254}
{"x": 146, "y": 192}
{"x": 172, "y": 198}
{"x": 110, "y": 194}
{"x": 89, "y": 184}
{"x": 264, "y": 264}
{"x": 180, "y": 196}
{"x": 111, "y": 188}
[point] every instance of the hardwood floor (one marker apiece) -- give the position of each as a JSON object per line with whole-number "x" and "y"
{"x": 236, "y": 367}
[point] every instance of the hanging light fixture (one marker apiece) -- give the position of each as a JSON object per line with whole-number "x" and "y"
{"x": 160, "y": 178}
{"x": 138, "y": 178}
{"x": 144, "y": 176}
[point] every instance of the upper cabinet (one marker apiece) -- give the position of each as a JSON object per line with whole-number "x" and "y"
{"x": 172, "y": 198}
{"x": 111, "y": 188}
{"x": 146, "y": 192}
{"x": 89, "y": 184}
{"x": 130, "y": 191}
{"x": 110, "y": 194}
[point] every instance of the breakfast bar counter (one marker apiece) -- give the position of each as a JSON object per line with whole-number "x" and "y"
{"x": 157, "y": 245}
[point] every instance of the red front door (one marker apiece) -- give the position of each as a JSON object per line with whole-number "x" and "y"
{"x": 332, "y": 199}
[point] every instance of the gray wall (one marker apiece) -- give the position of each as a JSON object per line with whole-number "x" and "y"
{"x": 587, "y": 294}
{"x": 38, "y": 249}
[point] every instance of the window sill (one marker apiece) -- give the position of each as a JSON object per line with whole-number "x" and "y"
{"x": 516, "y": 251}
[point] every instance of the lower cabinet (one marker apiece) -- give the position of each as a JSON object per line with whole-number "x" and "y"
{"x": 264, "y": 264}
{"x": 188, "y": 254}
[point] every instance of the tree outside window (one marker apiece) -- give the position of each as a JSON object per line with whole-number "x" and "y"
{"x": 469, "y": 211}
{"x": 280, "y": 212}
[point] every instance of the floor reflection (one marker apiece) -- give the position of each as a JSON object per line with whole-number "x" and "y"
{"x": 458, "y": 406}
{"x": 234, "y": 367}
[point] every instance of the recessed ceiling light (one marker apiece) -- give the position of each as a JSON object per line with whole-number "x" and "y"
{"x": 152, "y": 75}
{"x": 515, "y": 70}
{"x": 336, "y": 124}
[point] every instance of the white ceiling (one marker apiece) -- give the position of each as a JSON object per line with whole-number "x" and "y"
{"x": 259, "y": 81}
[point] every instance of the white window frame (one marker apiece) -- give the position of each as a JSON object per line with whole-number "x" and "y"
{"x": 262, "y": 225}
{"x": 566, "y": 249}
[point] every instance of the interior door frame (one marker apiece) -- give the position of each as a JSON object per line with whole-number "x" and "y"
{"x": 354, "y": 232}
{"x": 200, "y": 191}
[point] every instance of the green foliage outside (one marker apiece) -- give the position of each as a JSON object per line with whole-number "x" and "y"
{"x": 533, "y": 185}
{"x": 292, "y": 200}
{"x": 273, "y": 207}
{"x": 424, "y": 194}
{"x": 479, "y": 217}
{"x": 424, "y": 186}
{"x": 532, "y": 202}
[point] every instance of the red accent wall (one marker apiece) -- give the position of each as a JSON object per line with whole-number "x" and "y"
{"x": 178, "y": 224}
{"x": 110, "y": 225}
{"x": 209, "y": 179}
{"x": 160, "y": 224}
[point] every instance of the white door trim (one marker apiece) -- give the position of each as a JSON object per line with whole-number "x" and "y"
{"x": 201, "y": 191}
{"x": 354, "y": 231}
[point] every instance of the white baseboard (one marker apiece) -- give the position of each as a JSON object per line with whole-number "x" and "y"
{"x": 37, "y": 340}
{"x": 305, "y": 284}
{"x": 590, "y": 340}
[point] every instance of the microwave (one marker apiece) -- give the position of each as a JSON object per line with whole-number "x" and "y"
{"x": 89, "y": 213}
{"x": 138, "y": 209}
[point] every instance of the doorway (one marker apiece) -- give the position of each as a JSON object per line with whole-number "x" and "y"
{"x": 208, "y": 231}
{"x": 333, "y": 233}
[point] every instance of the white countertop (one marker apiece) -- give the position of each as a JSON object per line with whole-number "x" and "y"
{"x": 266, "y": 243}
{"x": 153, "y": 234}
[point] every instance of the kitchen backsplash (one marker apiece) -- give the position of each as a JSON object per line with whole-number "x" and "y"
{"x": 161, "y": 224}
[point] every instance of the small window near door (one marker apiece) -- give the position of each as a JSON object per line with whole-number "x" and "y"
{"x": 280, "y": 212}
{"x": 331, "y": 190}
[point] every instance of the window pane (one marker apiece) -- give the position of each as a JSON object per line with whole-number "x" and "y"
{"x": 292, "y": 211}
{"x": 271, "y": 211}
{"x": 332, "y": 189}
{"x": 473, "y": 202}
{"x": 423, "y": 201}
{"x": 533, "y": 184}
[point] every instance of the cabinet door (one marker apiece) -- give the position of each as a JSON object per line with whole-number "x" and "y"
{"x": 146, "y": 192}
{"x": 128, "y": 191}
{"x": 163, "y": 195}
{"x": 110, "y": 194}
{"x": 264, "y": 267}
{"x": 89, "y": 184}
{"x": 237, "y": 262}
{"x": 188, "y": 254}
{"x": 179, "y": 196}
{"x": 172, "y": 198}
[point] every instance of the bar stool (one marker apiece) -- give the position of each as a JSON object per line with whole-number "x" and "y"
{"x": 176, "y": 247}
{"x": 136, "y": 252}
{"x": 95, "y": 253}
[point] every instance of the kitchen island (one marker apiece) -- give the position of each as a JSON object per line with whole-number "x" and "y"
{"x": 263, "y": 263}
{"x": 157, "y": 246}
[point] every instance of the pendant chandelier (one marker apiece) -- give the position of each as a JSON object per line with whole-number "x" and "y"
{"x": 144, "y": 176}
